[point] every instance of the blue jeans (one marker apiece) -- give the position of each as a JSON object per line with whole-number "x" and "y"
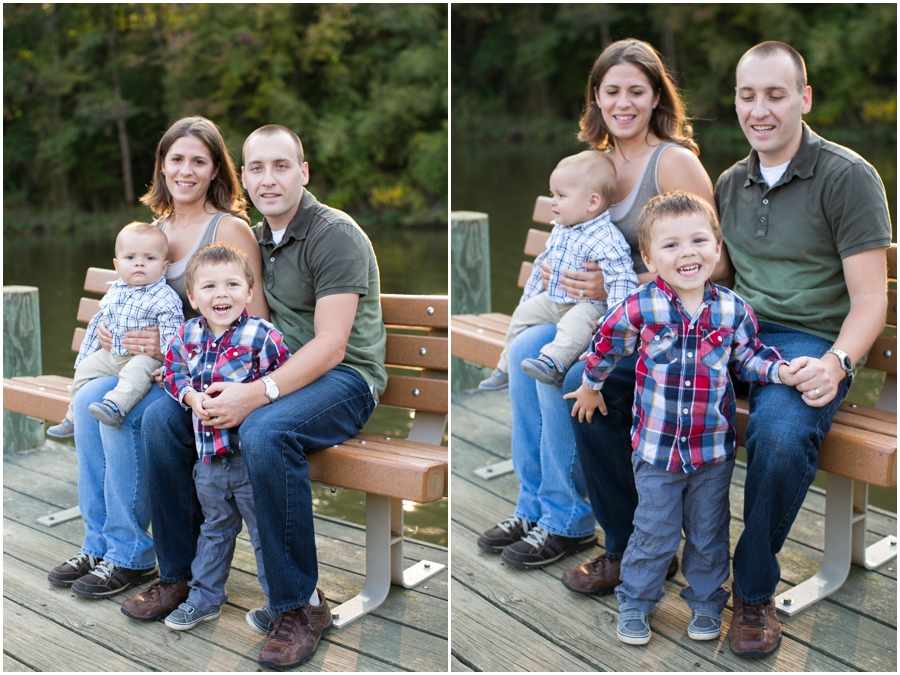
{"x": 223, "y": 488}
{"x": 551, "y": 485}
{"x": 112, "y": 480}
{"x": 275, "y": 440}
{"x": 783, "y": 440}
{"x": 696, "y": 502}
{"x": 604, "y": 448}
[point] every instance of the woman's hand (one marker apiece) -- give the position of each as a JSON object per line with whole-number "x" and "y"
{"x": 584, "y": 285}
{"x": 144, "y": 341}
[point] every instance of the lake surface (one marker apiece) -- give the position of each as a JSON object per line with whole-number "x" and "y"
{"x": 504, "y": 180}
{"x": 411, "y": 261}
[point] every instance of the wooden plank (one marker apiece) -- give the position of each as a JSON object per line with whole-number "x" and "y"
{"x": 536, "y": 242}
{"x": 892, "y": 262}
{"x": 416, "y": 393}
{"x": 883, "y": 355}
{"x": 524, "y": 274}
{"x": 87, "y": 308}
{"x": 46, "y": 405}
{"x": 542, "y": 212}
{"x": 426, "y": 311}
{"x": 407, "y": 350}
{"x": 98, "y": 280}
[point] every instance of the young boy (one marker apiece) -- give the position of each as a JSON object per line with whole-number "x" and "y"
{"x": 225, "y": 344}
{"x": 138, "y": 299}
{"x": 688, "y": 333}
{"x": 582, "y": 187}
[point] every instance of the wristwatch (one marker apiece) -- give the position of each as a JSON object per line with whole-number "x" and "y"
{"x": 272, "y": 390}
{"x": 844, "y": 359}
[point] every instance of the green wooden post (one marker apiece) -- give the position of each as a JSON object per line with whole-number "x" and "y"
{"x": 470, "y": 285}
{"x": 21, "y": 356}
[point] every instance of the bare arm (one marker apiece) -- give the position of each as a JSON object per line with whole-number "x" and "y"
{"x": 866, "y": 277}
{"x": 333, "y": 322}
{"x": 235, "y": 231}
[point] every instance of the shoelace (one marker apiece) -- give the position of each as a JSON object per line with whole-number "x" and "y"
{"x": 512, "y": 523}
{"x": 752, "y": 616}
{"x": 104, "y": 570}
{"x": 79, "y": 560}
{"x": 287, "y": 624}
{"x": 537, "y": 536}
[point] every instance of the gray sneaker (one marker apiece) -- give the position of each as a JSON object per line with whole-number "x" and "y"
{"x": 633, "y": 627}
{"x": 545, "y": 370}
{"x": 107, "y": 412}
{"x": 262, "y": 619}
{"x": 497, "y": 381}
{"x": 705, "y": 625}
{"x": 65, "y": 429}
{"x": 187, "y": 616}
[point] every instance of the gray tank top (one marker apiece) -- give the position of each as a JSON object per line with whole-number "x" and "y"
{"x": 625, "y": 213}
{"x": 176, "y": 272}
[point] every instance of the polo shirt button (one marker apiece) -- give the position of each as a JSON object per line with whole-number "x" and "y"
{"x": 765, "y": 201}
{"x": 272, "y": 259}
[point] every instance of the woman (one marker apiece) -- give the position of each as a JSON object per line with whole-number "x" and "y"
{"x": 634, "y": 113}
{"x": 197, "y": 198}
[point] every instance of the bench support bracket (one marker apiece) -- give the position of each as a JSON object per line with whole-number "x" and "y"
{"x": 846, "y": 503}
{"x": 384, "y": 560}
{"x": 495, "y": 470}
{"x": 60, "y": 517}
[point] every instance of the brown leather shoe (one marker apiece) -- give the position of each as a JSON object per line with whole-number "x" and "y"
{"x": 600, "y": 575}
{"x": 296, "y": 635}
{"x": 755, "y": 630}
{"x": 157, "y": 601}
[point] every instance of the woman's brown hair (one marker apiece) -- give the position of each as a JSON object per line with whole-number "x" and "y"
{"x": 669, "y": 121}
{"x": 225, "y": 192}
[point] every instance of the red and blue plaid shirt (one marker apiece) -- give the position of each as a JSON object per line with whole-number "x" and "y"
{"x": 684, "y": 400}
{"x": 250, "y": 348}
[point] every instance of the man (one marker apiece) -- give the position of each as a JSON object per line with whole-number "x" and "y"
{"x": 806, "y": 224}
{"x": 321, "y": 282}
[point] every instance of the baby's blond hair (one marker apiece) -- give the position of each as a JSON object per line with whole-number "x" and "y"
{"x": 144, "y": 230}
{"x": 595, "y": 170}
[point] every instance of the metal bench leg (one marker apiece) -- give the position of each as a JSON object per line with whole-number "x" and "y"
{"x": 839, "y": 518}
{"x": 881, "y": 551}
{"x": 384, "y": 560}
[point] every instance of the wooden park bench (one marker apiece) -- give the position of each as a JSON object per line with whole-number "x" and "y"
{"x": 860, "y": 450}
{"x": 388, "y": 470}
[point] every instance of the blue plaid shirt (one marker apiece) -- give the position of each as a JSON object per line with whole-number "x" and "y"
{"x": 126, "y": 308}
{"x": 684, "y": 400}
{"x": 568, "y": 248}
{"x": 250, "y": 348}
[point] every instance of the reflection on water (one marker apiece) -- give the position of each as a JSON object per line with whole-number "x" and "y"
{"x": 410, "y": 262}
{"x": 504, "y": 180}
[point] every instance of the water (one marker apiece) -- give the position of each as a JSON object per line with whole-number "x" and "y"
{"x": 504, "y": 180}
{"x": 411, "y": 262}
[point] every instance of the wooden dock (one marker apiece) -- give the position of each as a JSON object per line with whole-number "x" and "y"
{"x": 46, "y": 628}
{"x": 506, "y": 619}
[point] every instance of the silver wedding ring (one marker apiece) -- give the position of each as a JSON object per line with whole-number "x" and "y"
{"x": 143, "y": 349}
{"x": 818, "y": 393}
{"x": 581, "y": 293}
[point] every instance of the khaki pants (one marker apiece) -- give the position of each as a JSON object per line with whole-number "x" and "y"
{"x": 134, "y": 373}
{"x": 575, "y": 325}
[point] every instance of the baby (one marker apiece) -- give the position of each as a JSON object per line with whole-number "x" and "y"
{"x": 582, "y": 188}
{"x": 138, "y": 299}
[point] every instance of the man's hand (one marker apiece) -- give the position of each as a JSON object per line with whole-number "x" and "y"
{"x": 815, "y": 379}
{"x": 587, "y": 400}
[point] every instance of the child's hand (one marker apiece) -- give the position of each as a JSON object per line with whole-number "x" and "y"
{"x": 195, "y": 400}
{"x": 586, "y": 401}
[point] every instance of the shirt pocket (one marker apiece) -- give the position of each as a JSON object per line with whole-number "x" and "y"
{"x": 659, "y": 342}
{"x": 715, "y": 347}
{"x": 236, "y": 363}
{"x": 194, "y": 356}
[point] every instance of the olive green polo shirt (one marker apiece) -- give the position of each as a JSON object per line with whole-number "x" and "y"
{"x": 787, "y": 242}
{"x": 324, "y": 252}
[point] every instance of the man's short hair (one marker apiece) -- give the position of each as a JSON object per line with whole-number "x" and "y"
{"x": 672, "y": 205}
{"x": 218, "y": 253}
{"x": 271, "y": 130}
{"x": 597, "y": 172}
{"x": 772, "y": 48}
{"x": 144, "y": 230}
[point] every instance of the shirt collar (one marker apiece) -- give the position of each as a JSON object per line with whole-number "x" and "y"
{"x": 709, "y": 295}
{"x": 802, "y": 164}
{"x": 238, "y": 322}
{"x": 586, "y": 224}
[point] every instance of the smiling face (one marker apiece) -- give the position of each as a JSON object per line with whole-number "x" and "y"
{"x": 770, "y": 106}
{"x": 188, "y": 168}
{"x": 274, "y": 177}
{"x": 220, "y": 292}
{"x": 684, "y": 252}
{"x": 626, "y": 100}
{"x": 140, "y": 258}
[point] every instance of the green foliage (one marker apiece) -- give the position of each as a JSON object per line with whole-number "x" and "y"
{"x": 520, "y": 70}
{"x": 365, "y": 87}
